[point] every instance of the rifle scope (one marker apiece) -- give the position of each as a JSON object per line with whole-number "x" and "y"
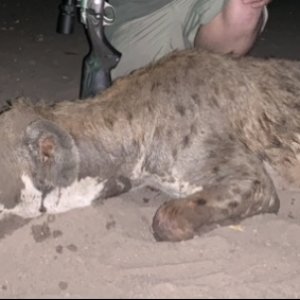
{"x": 65, "y": 24}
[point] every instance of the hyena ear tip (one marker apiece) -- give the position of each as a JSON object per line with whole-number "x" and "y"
{"x": 39, "y": 124}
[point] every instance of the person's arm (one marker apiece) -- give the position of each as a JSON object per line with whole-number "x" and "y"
{"x": 235, "y": 29}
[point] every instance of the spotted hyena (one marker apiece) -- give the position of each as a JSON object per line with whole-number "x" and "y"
{"x": 197, "y": 125}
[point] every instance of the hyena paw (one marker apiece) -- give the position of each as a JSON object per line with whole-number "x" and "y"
{"x": 170, "y": 223}
{"x": 182, "y": 219}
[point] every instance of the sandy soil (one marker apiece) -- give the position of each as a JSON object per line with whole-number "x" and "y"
{"x": 108, "y": 250}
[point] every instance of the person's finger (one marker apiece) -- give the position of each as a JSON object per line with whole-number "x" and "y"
{"x": 256, "y": 3}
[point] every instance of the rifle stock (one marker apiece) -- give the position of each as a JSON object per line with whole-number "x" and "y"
{"x": 102, "y": 58}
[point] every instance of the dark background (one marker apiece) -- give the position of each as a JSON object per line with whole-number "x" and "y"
{"x": 37, "y": 62}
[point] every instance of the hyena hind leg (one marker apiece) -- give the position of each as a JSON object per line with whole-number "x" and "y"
{"x": 228, "y": 200}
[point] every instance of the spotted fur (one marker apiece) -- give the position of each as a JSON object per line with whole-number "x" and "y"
{"x": 196, "y": 125}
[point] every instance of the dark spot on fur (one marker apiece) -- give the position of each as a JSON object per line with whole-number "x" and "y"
{"x": 186, "y": 141}
{"x": 194, "y": 130}
{"x": 109, "y": 123}
{"x": 216, "y": 169}
{"x": 213, "y": 102}
{"x": 72, "y": 248}
{"x": 135, "y": 143}
{"x": 262, "y": 156}
{"x": 196, "y": 98}
{"x": 225, "y": 212}
{"x": 231, "y": 137}
{"x": 129, "y": 117}
{"x": 212, "y": 154}
{"x": 276, "y": 142}
{"x": 169, "y": 133}
{"x": 198, "y": 81}
{"x": 247, "y": 195}
{"x": 167, "y": 88}
{"x": 57, "y": 233}
{"x": 231, "y": 94}
{"x": 146, "y": 200}
{"x": 256, "y": 183}
{"x": 174, "y": 154}
{"x": 175, "y": 80}
{"x": 180, "y": 109}
{"x": 201, "y": 201}
{"x": 261, "y": 123}
{"x": 233, "y": 204}
{"x": 4, "y": 287}
{"x": 220, "y": 178}
{"x": 155, "y": 85}
{"x": 297, "y": 75}
{"x": 287, "y": 160}
{"x": 219, "y": 198}
{"x": 282, "y": 122}
{"x": 289, "y": 87}
{"x": 266, "y": 118}
{"x": 236, "y": 190}
{"x": 245, "y": 174}
{"x": 152, "y": 189}
{"x": 296, "y": 106}
{"x": 6, "y": 106}
{"x": 149, "y": 107}
{"x": 168, "y": 179}
{"x": 190, "y": 63}
{"x": 158, "y": 132}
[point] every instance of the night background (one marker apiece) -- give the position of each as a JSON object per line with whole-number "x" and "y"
{"x": 108, "y": 250}
{"x": 37, "y": 62}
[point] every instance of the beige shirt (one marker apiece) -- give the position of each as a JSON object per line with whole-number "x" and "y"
{"x": 146, "y": 30}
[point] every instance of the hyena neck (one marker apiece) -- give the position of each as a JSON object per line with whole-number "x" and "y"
{"x": 107, "y": 143}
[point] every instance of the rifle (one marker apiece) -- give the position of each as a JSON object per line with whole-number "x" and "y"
{"x": 103, "y": 57}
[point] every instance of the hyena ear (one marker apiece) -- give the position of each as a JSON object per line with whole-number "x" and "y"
{"x": 52, "y": 153}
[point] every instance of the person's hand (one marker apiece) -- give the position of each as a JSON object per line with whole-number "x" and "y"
{"x": 235, "y": 29}
{"x": 256, "y": 3}
{"x": 245, "y": 13}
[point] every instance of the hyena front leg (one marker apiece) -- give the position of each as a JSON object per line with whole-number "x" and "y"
{"x": 226, "y": 200}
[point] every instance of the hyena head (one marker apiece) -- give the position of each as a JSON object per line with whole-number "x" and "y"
{"x": 34, "y": 154}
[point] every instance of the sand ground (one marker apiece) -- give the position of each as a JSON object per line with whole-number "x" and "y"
{"x": 108, "y": 250}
